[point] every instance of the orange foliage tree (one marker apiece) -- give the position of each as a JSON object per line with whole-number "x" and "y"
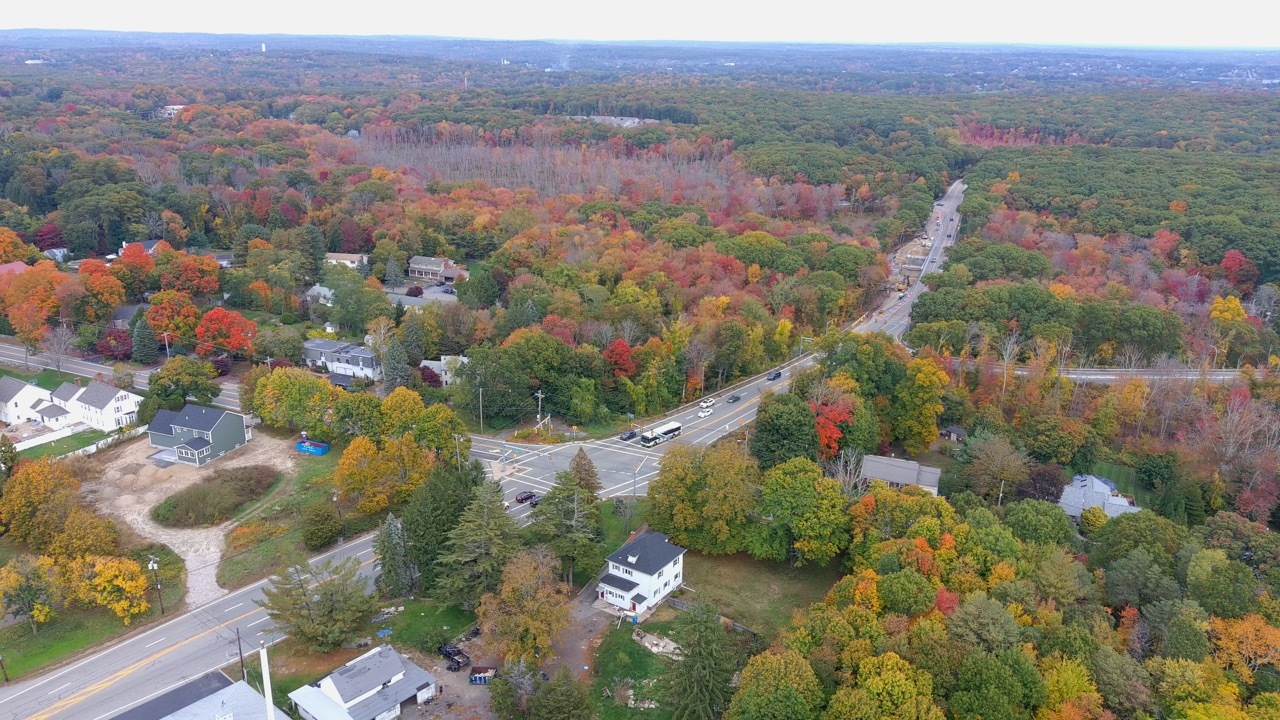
{"x": 225, "y": 330}
{"x": 133, "y": 269}
{"x": 173, "y": 314}
{"x": 191, "y": 274}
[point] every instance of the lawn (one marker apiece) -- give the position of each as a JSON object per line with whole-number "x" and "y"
{"x": 1126, "y": 480}
{"x": 619, "y": 657}
{"x": 76, "y": 630}
{"x": 425, "y": 624}
{"x": 292, "y": 666}
{"x": 47, "y": 379}
{"x": 760, "y": 595}
{"x": 62, "y": 446}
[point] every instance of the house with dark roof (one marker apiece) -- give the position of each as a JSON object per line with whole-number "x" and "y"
{"x": 336, "y": 356}
{"x": 205, "y": 698}
{"x": 434, "y": 269}
{"x": 99, "y": 405}
{"x": 374, "y": 686}
{"x": 642, "y": 573}
{"x": 198, "y": 435}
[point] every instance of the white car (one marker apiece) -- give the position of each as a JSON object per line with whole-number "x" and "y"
{"x": 705, "y": 412}
{"x": 707, "y": 403}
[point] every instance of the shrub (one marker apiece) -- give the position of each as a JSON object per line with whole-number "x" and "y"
{"x": 414, "y": 291}
{"x": 252, "y": 534}
{"x": 215, "y": 499}
{"x": 222, "y": 364}
{"x": 320, "y": 525}
{"x": 288, "y": 319}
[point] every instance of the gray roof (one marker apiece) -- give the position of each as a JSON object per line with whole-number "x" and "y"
{"x": 320, "y": 290}
{"x": 165, "y": 705}
{"x": 340, "y": 379}
{"x": 619, "y": 583}
{"x": 652, "y": 552}
{"x": 9, "y": 388}
{"x": 191, "y": 417}
{"x": 1086, "y": 491}
{"x": 370, "y": 672}
{"x": 52, "y": 411}
{"x": 196, "y": 444}
{"x": 432, "y": 263}
{"x": 899, "y": 471}
{"x": 65, "y": 392}
{"x": 352, "y": 681}
{"x": 324, "y": 344}
{"x": 238, "y": 701}
{"x": 98, "y": 394}
{"x": 638, "y": 598}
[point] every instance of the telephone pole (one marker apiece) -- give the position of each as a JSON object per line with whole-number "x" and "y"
{"x": 154, "y": 566}
{"x": 481, "y": 410}
{"x": 539, "y": 395}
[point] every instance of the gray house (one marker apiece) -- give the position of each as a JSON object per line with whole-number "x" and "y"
{"x": 373, "y": 686}
{"x": 900, "y": 473}
{"x": 346, "y": 358}
{"x": 198, "y": 435}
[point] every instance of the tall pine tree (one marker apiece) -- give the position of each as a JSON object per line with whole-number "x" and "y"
{"x": 479, "y": 547}
{"x": 395, "y": 366}
{"x": 394, "y": 276}
{"x": 568, "y": 520}
{"x": 696, "y": 686}
{"x": 563, "y": 697}
{"x": 395, "y": 569}
{"x": 585, "y": 471}
{"x": 434, "y": 509}
{"x": 411, "y": 338}
{"x": 145, "y": 346}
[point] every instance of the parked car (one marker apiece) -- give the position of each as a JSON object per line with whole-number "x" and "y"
{"x": 525, "y": 497}
{"x": 628, "y": 435}
{"x": 448, "y": 291}
{"x": 533, "y": 501}
{"x": 439, "y": 283}
{"x": 776, "y": 374}
{"x": 705, "y": 412}
{"x": 733, "y": 399}
{"x": 706, "y": 403}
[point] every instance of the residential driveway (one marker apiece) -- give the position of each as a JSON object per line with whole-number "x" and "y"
{"x": 575, "y": 648}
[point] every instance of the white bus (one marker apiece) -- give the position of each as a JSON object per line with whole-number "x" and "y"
{"x": 660, "y": 434}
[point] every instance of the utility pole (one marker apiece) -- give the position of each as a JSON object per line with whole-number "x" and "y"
{"x": 457, "y": 446}
{"x": 632, "y": 509}
{"x": 240, "y": 651}
{"x": 166, "y": 345}
{"x": 539, "y": 395}
{"x": 154, "y": 566}
{"x": 2, "y": 670}
{"x": 481, "y": 410}
{"x": 266, "y": 680}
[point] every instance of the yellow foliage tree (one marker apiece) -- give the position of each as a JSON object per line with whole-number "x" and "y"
{"x": 361, "y": 475}
{"x": 528, "y": 610}
{"x": 37, "y": 501}
{"x": 1244, "y": 645}
{"x": 115, "y": 583}
{"x": 29, "y": 586}
{"x": 1227, "y": 310}
{"x": 84, "y": 533}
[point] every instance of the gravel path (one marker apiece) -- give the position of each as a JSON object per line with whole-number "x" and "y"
{"x": 201, "y": 548}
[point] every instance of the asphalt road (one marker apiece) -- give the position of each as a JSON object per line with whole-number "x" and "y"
{"x": 156, "y": 660}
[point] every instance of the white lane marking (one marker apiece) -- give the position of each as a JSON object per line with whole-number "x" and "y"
{"x": 255, "y": 622}
{"x": 57, "y": 689}
{"x": 362, "y": 554}
{"x": 233, "y": 607}
{"x": 154, "y": 642}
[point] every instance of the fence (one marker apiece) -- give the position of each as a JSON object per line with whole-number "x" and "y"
{"x": 681, "y": 605}
{"x": 107, "y": 442}
{"x": 50, "y": 436}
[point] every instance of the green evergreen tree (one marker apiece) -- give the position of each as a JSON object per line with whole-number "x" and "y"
{"x": 696, "y": 686}
{"x": 145, "y": 346}
{"x": 321, "y": 525}
{"x": 479, "y": 290}
{"x": 563, "y": 697}
{"x": 394, "y": 276}
{"x": 395, "y": 366}
{"x": 784, "y": 430}
{"x": 395, "y": 570}
{"x": 478, "y": 548}
{"x": 434, "y": 509}
{"x": 317, "y": 246}
{"x": 585, "y": 472}
{"x": 323, "y": 605}
{"x": 568, "y": 520}
{"x": 412, "y": 339}
{"x": 8, "y": 459}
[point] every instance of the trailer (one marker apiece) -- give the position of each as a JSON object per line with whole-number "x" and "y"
{"x": 312, "y": 447}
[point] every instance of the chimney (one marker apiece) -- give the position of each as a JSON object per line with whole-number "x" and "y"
{"x": 632, "y": 538}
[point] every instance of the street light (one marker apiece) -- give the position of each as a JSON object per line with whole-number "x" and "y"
{"x": 154, "y": 566}
{"x": 341, "y": 523}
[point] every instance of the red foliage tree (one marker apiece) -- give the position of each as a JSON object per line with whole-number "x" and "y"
{"x": 430, "y": 377}
{"x": 1240, "y": 270}
{"x": 191, "y": 274}
{"x": 222, "y": 330}
{"x": 827, "y": 420}
{"x": 116, "y": 343}
{"x": 619, "y": 356}
{"x": 133, "y": 268}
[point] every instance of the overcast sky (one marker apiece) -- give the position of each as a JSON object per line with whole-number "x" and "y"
{"x": 1225, "y": 23}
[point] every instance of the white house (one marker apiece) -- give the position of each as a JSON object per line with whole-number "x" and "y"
{"x": 351, "y": 260}
{"x": 102, "y": 406}
{"x": 447, "y": 367}
{"x": 1086, "y": 491}
{"x": 371, "y": 687}
{"x": 319, "y": 295}
{"x": 435, "y": 269}
{"x": 99, "y": 405}
{"x": 642, "y": 573}
{"x": 346, "y": 358}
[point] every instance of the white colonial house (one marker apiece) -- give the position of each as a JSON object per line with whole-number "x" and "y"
{"x": 336, "y": 356}
{"x": 642, "y": 573}
{"x": 447, "y": 367}
{"x": 98, "y": 405}
{"x": 374, "y": 686}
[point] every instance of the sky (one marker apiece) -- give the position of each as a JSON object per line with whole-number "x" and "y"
{"x": 1081, "y": 22}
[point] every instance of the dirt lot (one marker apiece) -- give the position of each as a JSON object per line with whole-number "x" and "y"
{"x": 459, "y": 700}
{"x": 130, "y": 486}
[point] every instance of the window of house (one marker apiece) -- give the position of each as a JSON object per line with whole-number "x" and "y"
{"x": 677, "y": 577}
{"x": 626, "y": 571}
{"x": 660, "y": 573}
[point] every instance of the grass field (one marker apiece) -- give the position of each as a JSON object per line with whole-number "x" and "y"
{"x": 425, "y": 624}
{"x": 1126, "y": 481}
{"x": 62, "y": 446}
{"x": 292, "y": 666}
{"x": 620, "y": 657}
{"x": 760, "y": 595}
{"x": 77, "y": 629}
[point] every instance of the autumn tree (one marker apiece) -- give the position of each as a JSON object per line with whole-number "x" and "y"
{"x": 133, "y": 269}
{"x": 13, "y": 249}
{"x": 588, "y": 478}
{"x": 886, "y": 687}
{"x": 103, "y": 293}
{"x": 993, "y": 466}
{"x": 322, "y": 605}
{"x": 83, "y": 532}
{"x": 30, "y": 588}
{"x": 528, "y": 609}
{"x": 222, "y": 330}
{"x": 918, "y": 405}
{"x": 191, "y": 274}
{"x": 776, "y": 685}
{"x": 702, "y": 496}
{"x": 296, "y": 399}
{"x": 116, "y": 583}
{"x": 172, "y": 315}
{"x": 181, "y": 379}
{"x": 802, "y": 515}
{"x": 784, "y": 429}
{"x": 37, "y": 500}
{"x": 117, "y": 343}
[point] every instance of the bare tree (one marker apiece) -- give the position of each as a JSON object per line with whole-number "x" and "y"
{"x": 629, "y": 330}
{"x": 1264, "y": 301}
{"x": 154, "y": 223}
{"x": 1008, "y": 354}
{"x": 58, "y": 343}
{"x": 1131, "y": 357}
{"x": 696, "y": 356}
{"x": 846, "y": 467}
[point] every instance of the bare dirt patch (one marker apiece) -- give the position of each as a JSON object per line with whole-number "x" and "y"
{"x": 130, "y": 486}
{"x": 576, "y": 645}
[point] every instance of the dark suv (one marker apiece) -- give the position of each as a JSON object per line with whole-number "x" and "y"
{"x": 773, "y": 375}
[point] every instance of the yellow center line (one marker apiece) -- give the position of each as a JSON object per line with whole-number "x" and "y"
{"x": 712, "y": 423}
{"x": 101, "y": 685}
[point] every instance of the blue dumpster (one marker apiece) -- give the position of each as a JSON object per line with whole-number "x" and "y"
{"x": 312, "y": 447}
